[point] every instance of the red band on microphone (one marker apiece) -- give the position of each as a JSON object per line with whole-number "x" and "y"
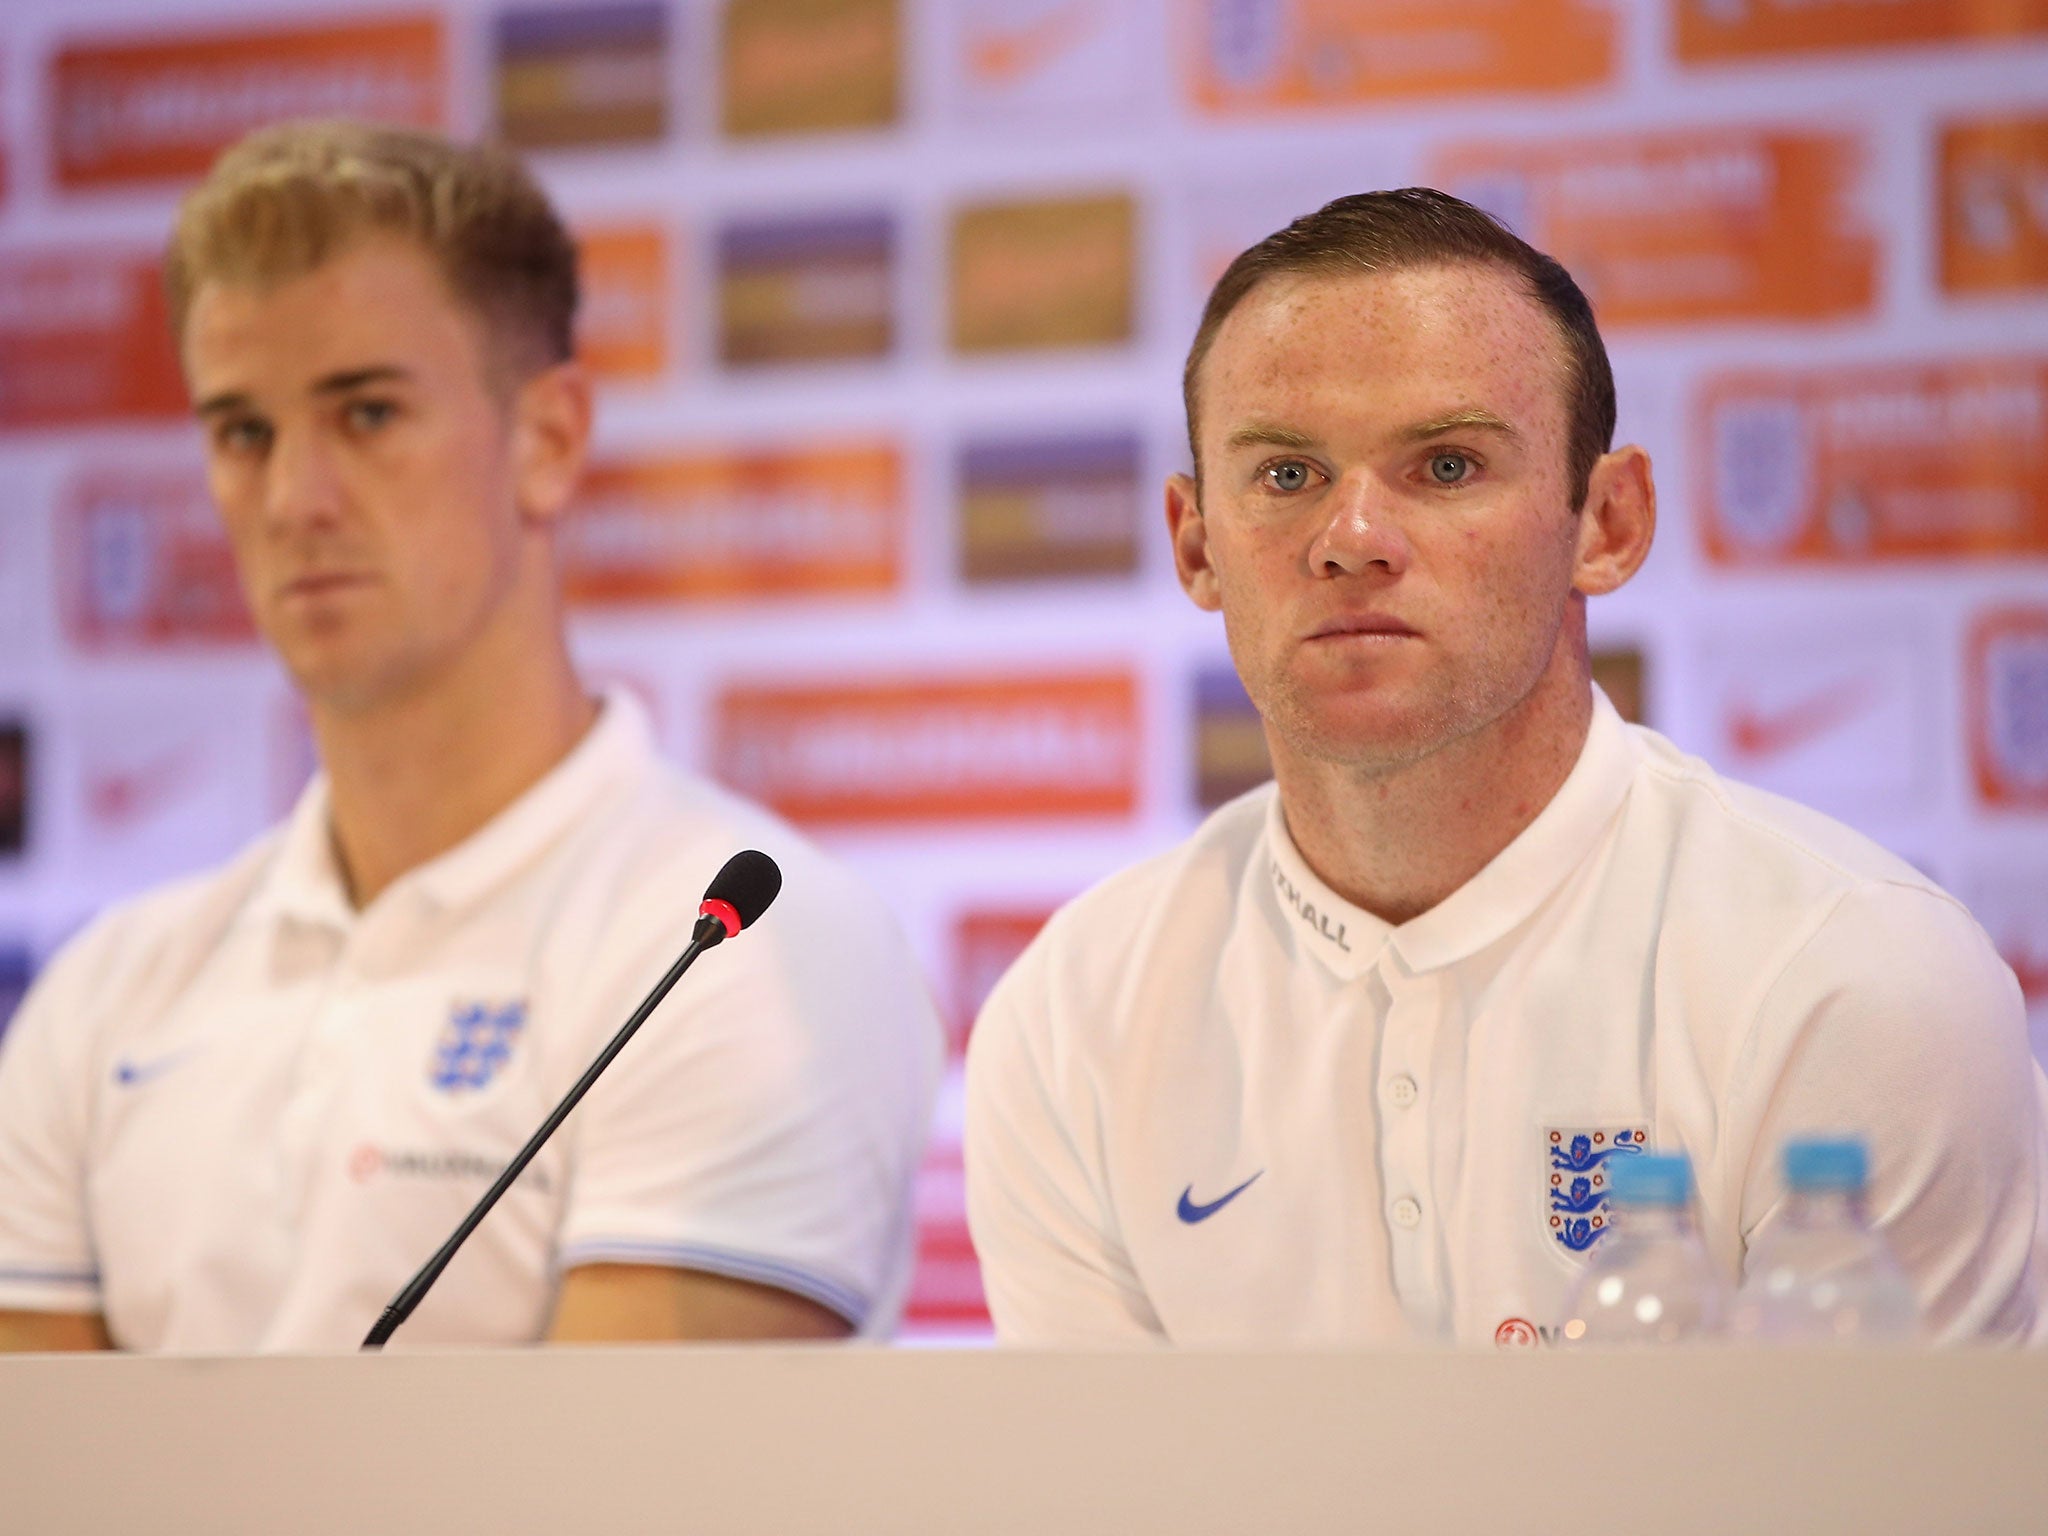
{"x": 725, "y": 912}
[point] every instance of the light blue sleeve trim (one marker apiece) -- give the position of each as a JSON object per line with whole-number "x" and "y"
{"x": 51, "y": 1277}
{"x": 829, "y": 1293}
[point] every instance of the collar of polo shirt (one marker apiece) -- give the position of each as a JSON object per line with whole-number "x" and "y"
{"x": 1351, "y": 941}
{"x": 304, "y": 883}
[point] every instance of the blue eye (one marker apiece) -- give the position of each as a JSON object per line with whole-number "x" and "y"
{"x": 368, "y": 415}
{"x": 1449, "y": 468}
{"x": 1291, "y": 475}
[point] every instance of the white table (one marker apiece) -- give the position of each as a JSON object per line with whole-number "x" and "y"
{"x": 853, "y": 1442}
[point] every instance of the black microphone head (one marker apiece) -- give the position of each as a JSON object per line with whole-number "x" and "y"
{"x": 749, "y": 881}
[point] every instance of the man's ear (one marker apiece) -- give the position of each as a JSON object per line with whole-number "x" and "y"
{"x": 551, "y": 416}
{"x": 1618, "y": 522}
{"x": 1191, "y": 543}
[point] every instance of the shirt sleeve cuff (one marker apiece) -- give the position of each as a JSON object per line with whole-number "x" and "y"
{"x": 48, "y": 1288}
{"x": 760, "y": 1269}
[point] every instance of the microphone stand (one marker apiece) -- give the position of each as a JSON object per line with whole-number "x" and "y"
{"x": 709, "y": 932}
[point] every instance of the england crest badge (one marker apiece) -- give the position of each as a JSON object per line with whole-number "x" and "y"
{"x": 474, "y": 1044}
{"x": 1576, "y": 1160}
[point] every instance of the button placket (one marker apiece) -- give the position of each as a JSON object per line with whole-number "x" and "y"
{"x": 1405, "y": 1143}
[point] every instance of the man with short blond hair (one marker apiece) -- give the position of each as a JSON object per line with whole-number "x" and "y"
{"x": 238, "y": 1112}
{"x": 1331, "y": 1070}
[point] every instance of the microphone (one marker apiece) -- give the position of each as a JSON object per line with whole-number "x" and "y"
{"x": 737, "y": 896}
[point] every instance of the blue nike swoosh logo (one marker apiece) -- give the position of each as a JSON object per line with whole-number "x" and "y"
{"x": 133, "y": 1074}
{"x": 1192, "y": 1213}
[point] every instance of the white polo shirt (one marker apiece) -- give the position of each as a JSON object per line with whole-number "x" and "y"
{"x": 1216, "y": 1103}
{"x": 236, "y": 1114}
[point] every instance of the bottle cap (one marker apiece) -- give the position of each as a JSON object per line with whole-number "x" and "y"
{"x": 1652, "y": 1179}
{"x": 1813, "y": 1165}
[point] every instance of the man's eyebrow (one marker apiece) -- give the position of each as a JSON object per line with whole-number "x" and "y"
{"x": 222, "y": 404}
{"x": 1460, "y": 421}
{"x": 341, "y": 383}
{"x": 356, "y": 378}
{"x": 1259, "y": 435}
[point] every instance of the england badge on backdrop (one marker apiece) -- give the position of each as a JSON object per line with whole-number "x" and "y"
{"x": 1576, "y": 1195}
{"x": 474, "y": 1044}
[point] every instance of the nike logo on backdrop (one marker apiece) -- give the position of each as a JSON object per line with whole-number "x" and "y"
{"x": 1002, "y": 54}
{"x": 1757, "y": 732}
{"x": 1192, "y": 1213}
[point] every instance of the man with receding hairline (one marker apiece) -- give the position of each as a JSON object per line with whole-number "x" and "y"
{"x": 1306, "y": 1077}
{"x": 239, "y": 1112}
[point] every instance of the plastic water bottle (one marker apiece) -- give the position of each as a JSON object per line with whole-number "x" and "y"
{"x": 1650, "y": 1280}
{"x": 1823, "y": 1276}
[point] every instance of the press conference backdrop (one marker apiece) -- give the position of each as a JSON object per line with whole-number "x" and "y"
{"x": 888, "y": 299}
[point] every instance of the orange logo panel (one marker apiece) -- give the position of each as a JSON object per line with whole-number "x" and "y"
{"x": 144, "y": 562}
{"x": 1735, "y": 29}
{"x": 2008, "y": 703}
{"x": 945, "y": 1288}
{"x": 972, "y": 749}
{"x": 1994, "y": 205}
{"x": 737, "y": 525}
{"x": 986, "y": 943}
{"x": 622, "y": 322}
{"x": 1873, "y": 463}
{"x": 1289, "y": 54}
{"x": 810, "y": 66}
{"x": 1032, "y": 275}
{"x": 1672, "y": 227}
{"x": 151, "y": 110}
{"x": 84, "y": 339}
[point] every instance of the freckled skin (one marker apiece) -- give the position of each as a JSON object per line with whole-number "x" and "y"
{"x": 1482, "y": 568}
{"x": 1324, "y": 502}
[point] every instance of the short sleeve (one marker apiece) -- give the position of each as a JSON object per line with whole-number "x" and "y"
{"x": 47, "y": 1259}
{"x": 767, "y": 1121}
{"x": 1053, "y": 1269}
{"x": 1906, "y": 1027}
